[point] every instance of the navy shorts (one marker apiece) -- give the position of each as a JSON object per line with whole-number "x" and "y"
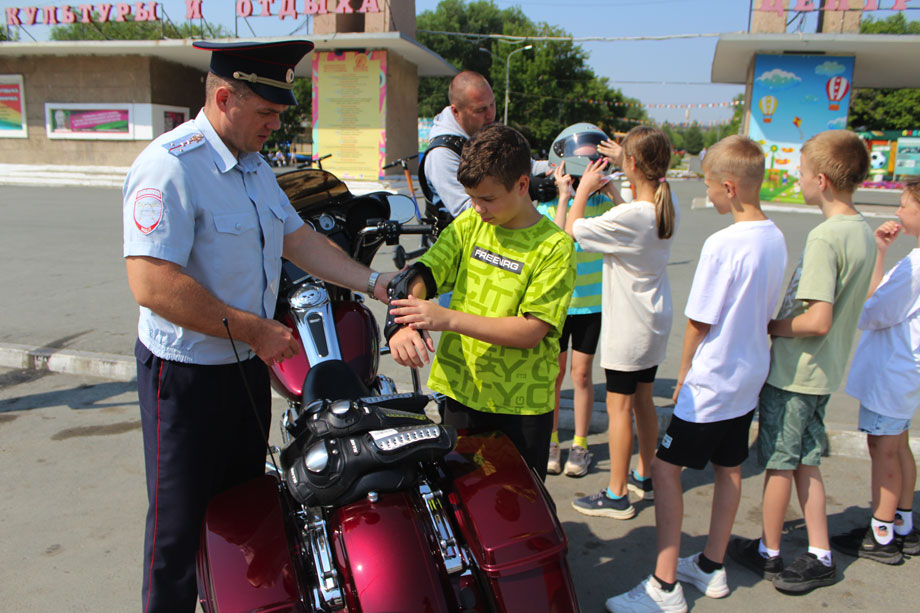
{"x": 724, "y": 443}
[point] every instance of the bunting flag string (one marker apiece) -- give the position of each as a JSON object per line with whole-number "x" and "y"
{"x": 702, "y": 105}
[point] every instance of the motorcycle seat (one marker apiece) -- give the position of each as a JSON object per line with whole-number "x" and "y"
{"x": 333, "y": 380}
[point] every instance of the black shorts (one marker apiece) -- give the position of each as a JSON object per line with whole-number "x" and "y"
{"x": 623, "y": 382}
{"x": 584, "y": 330}
{"x": 529, "y": 433}
{"x": 724, "y": 443}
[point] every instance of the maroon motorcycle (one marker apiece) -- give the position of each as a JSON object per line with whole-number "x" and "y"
{"x": 372, "y": 507}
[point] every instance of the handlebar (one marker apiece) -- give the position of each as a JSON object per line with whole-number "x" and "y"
{"x": 391, "y": 230}
{"x": 400, "y": 161}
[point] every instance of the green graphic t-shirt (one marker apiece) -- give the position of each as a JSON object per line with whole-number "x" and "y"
{"x": 495, "y": 272}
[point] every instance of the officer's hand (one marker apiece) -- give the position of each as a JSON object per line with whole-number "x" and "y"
{"x": 274, "y": 342}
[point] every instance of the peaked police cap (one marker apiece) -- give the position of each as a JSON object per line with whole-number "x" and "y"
{"x": 268, "y": 68}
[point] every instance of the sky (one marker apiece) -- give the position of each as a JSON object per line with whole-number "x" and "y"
{"x": 679, "y": 70}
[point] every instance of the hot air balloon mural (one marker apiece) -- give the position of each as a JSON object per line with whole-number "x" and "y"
{"x": 768, "y": 106}
{"x": 837, "y": 88}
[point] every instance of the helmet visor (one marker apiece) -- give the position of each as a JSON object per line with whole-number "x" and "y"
{"x": 583, "y": 144}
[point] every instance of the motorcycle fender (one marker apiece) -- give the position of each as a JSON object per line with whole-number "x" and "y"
{"x": 244, "y": 560}
{"x": 381, "y": 549}
{"x": 510, "y": 525}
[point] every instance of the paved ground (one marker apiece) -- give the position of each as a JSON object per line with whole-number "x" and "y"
{"x": 74, "y": 497}
{"x": 73, "y": 506}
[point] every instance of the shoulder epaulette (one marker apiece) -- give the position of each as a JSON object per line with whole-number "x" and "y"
{"x": 184, "y": 143}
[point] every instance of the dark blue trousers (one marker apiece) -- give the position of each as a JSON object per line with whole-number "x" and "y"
{"x": 200, "y": 438}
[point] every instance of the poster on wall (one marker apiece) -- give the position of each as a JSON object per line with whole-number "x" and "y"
{"x": 12, "y": 107}
{"x": 793, "y": 98}
{"x": 349, "y": 112}
{"x": 89, "y": 121}
{"x": 907, "y": 158}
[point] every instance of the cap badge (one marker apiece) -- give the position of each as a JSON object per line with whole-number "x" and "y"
{"x": 289, "y": 77}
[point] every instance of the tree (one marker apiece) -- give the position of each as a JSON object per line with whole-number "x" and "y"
{"x": 295, "y": 117}
{"x": 135, "y": 30}
{"x": 886, "y": 109}
{"x": 551, "y": 85}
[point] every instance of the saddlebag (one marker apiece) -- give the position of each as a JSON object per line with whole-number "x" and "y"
{"x": 508, "y": 522}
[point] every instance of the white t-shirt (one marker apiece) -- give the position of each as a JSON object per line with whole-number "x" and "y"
{"x": 735, "y": 290}
{"x": 885, "y": 374}
{"x": 636, "y": 304}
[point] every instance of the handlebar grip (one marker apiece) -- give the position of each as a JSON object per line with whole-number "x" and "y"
{"x": 417, "y": 229}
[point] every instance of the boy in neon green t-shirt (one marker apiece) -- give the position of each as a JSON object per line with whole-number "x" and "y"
{"x": 511, "y": 271}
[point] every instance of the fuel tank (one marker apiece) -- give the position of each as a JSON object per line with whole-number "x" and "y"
{"x": 358, "y": 340}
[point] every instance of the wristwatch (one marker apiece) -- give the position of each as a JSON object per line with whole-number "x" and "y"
{"x": 372, "y": 283}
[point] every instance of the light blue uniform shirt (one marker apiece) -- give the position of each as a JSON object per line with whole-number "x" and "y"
{"x": 188, "y": 200}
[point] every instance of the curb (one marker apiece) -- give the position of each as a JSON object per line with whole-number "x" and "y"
{"x": 846, "y": 443}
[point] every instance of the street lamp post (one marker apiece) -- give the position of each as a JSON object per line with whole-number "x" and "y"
{"x": 508, "y": 77}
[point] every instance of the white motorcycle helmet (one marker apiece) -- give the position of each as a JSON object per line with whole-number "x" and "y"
{"x": 577, "y": 147}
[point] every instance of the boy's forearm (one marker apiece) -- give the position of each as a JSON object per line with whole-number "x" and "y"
{"x": 877, "y": 273}
{"x": 519, "y": 332}
{"x": 694, "y": 334}
{"x": 815, "y": 321}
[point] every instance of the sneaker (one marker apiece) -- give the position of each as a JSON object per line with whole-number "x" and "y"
{"x": 861, "y": 543}
{"x": 805, "y": 573}
{"x": 601, "y": 505}
{"x": 745, "y": 552}
{"x": 908, "y": 543}
{"x": 648, "y": 596}
{"x": 714, "y": 584}
{"x": 578, "y": 462}
{"x": 554, "y": 464}
{"x": 643, "y": 489}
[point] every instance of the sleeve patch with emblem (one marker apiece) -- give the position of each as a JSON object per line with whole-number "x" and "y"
{"x": 148, "y": 209}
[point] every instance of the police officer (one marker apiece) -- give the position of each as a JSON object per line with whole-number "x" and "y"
{"x": 205, "y": 227}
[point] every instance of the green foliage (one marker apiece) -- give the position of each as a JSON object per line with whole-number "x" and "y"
{"x": 734, "y": 127}
{"x": 295, "y": 119}
{"x": 135, "y": 30}
{"x": 895, "y": 24}
{"x": 551, "y": 85}
{"x": 886, "y": 109}
{"x": 693, "y": 140}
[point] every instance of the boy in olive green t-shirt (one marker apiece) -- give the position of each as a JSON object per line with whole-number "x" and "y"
{"x": 812, "y": 338}
{"x": 511, "y": 271}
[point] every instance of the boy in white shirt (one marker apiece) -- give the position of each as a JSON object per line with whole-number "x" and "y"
{"x": 724, "y": 362}
{"x": 884, "y": 378}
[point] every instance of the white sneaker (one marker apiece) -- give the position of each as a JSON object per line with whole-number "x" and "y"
{"x": 648, "y": 596}
{"x": 554, "y": 463}
{"x": 714, "y": 584}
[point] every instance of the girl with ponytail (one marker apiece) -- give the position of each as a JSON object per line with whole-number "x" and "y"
{"x": 635, "y": 239}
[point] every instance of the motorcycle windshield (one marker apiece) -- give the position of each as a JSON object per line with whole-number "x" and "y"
{"x": 311, "y": 187}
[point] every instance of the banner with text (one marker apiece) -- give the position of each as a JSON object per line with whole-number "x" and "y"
{"x": 349, "y": 112}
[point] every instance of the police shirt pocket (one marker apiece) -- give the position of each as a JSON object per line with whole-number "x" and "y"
{"x": 234, "y": 223}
